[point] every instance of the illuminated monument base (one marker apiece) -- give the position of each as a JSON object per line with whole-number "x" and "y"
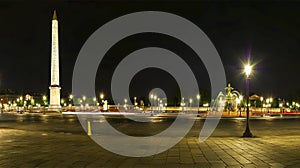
{"x": 54, "y": 99}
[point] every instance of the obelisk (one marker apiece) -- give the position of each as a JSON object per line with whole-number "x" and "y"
{"x": 54, "y": 86}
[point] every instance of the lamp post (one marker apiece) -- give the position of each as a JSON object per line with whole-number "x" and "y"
{"x": 44, "y": 101}
{"x": 151, "y": 100}
{"x": 261, "y": 103}
{"x": 198, "y": 99}
{"x": 182, "y": 104}
{"x": 247, "y": 70}
{"x": 271, "y": 101}
{"x": 190, "y": 101}
{"x": 101, "y": 98}
{"x": 125, "y": 104}
{"x": 240, "y": 108}
{"x": 135, "y": 103}
{"x": 71, "y": 99}
{"x": 84, "y": 105}
{"x": 94, "y": 100}
{"x": 268, "y": 101}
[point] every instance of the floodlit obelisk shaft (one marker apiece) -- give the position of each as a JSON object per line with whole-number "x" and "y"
{"x": 54, "y": 87}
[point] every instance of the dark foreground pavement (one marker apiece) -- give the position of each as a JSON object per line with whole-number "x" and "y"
{"x": 35, "y": 141}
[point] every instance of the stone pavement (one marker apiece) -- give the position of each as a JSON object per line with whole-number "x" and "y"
{"x": 59, "y": 148}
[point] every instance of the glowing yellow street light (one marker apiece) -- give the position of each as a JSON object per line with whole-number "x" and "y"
{"x": 135, "y": 103}
{"x": 152, "y": 101}
{"x": 94, "y": 100}
{"x": 32, "y": 101}
{"x": 198, "y": 97}
{"x": 101, "y": 96}
{"x": 248, "y": 70}
{"x": 261, "y": 102}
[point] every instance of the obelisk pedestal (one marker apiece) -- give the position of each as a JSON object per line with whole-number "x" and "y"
{"x": 54, "y": 86}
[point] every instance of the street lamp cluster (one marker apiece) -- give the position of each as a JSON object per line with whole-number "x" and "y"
{"x": 190, "y": 101}
{"x": 157, "y": 103}
{"x": 22, "y": 103}
{"x": 268, "y": 103}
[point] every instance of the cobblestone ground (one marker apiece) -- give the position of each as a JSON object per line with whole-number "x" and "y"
{"x": 65, "y": 144}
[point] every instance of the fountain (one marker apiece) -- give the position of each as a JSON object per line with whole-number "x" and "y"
{"x": 233, "y": 99}
{"x": 228, "y": 102}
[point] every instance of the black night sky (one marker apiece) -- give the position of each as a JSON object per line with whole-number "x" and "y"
{"x": 270, "y": 29}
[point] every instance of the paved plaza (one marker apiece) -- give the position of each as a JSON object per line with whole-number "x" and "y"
{"x": 43, "y": 141}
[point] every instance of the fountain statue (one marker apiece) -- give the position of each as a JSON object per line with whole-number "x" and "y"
{"x": 232, "y": 99}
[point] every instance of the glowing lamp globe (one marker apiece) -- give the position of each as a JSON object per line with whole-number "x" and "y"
{"x": 248, "y": 69}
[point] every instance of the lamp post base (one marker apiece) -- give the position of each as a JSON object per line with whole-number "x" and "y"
{"x": 247, "y": 133}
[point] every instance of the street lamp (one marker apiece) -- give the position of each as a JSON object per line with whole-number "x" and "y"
{"x": 198, "y": 99}
{"x": 151, "y": 102}
{"x": 101, "y": 99}
{"x": 190, "y": 101}
{"x": 44, "y": 101}
{"x": 94, "y": 100}
{"x": 261, "y": 103}
{"x": 267, "y": 105}
{"x": 62, "y": 101}
{"x": 247, "y": 70}
{"x": 71, "y": 99}
{"x": 71, "y": 96}
{"x": 125, "y": 104}
{"x": 101, "y": 96}
{"x": 135, "y": 103}
{"x": 84, "y": 104}
{"x": 271, "y": 101}
{"x": 240, "y": 100}
{"x": 182, "y": 104}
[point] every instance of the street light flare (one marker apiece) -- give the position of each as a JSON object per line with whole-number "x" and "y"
{"x": 248, "y": 70}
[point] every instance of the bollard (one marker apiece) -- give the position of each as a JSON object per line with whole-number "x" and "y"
{"x": 89, "y": 129}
